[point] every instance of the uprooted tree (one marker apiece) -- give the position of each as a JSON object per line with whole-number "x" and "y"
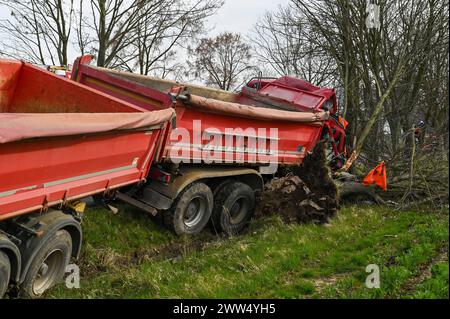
{"x": 391, "y": 75}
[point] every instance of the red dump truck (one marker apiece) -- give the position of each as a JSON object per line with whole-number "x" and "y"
{"x": 194, "y": 154}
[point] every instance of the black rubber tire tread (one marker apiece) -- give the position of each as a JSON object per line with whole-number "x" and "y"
{"x": 174, "y": 217}
{"x": 223, "y": 201}
{"x": 5, "y": 272}
{"x": 60, "y": 239}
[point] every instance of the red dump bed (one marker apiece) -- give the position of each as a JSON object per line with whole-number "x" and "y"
{"x": 60, "y": 140}
{"x": 295, "y": 110}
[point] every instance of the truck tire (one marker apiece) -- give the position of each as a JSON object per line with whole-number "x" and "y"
{"x": 191, "y": 210}
{"x": 234, "y": 205}
{"x": 48, "y": 266}
{"x": 5, "y": 272}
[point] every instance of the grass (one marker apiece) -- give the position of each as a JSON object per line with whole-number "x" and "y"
{"x": 130, "y": 256}
{"x": 435, "y": 286}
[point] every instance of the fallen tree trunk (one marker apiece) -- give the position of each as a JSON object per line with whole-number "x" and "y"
{"x": 356, "y": 192}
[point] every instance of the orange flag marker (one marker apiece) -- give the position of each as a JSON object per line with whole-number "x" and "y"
{"x": 343, "y": 122}
{"x": 377, "y": 176}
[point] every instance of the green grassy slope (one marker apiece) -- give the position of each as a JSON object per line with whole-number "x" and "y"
{"x": 130, "y": 256}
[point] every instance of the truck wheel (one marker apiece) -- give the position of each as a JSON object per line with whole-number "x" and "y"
{"x": 191, "y": 210}
{"x": 5, "y": 271}
{"x": 234, "y": 205}
{"x": 48, "y": 266}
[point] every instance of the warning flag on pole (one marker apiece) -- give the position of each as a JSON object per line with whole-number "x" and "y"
{"x": 377, "y": 176}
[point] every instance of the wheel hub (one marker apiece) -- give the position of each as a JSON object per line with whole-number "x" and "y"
{"x": 43, "y": 270}
{"x": 194, "y": 212}
{"x": 48, "y": 271}
{"x": 238, "y": 210}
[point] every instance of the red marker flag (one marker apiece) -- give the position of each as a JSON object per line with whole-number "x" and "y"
{"x": 377, "y": 176}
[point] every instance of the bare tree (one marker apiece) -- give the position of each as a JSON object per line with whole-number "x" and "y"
{"x": 136, "y": 34}
{"x": 161, "y": 31}
{"x": 380, "y": 68}
{"x": 281, "y": 40}
{"x": 110, "y": 21}
{"x": 37, "y": 30}
{"x": 389, "y": 60}
{"x": 392, "y": 73}
{"x": 221, "y": 61}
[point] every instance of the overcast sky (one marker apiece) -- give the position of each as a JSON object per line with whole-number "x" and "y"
{"x": 241, "y": 15}
{"x": 235, "y": 15}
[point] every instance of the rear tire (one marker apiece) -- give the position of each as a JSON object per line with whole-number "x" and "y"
{"x": 48, "y": 266}
{"x": 234, "y": 205}
{"x": 5, "y": 272}
{"x": 191, "y": 210}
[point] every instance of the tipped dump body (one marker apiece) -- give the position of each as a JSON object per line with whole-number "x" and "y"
{"x": 290, "y": 119}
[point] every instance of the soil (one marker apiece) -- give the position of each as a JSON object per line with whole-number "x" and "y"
{"x": 306, "y": 194}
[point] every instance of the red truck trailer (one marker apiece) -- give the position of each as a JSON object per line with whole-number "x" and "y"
{"x": 190, "y": 184}
{"x": 60, "y": 141}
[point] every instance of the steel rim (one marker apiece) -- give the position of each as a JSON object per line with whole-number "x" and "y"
{"x": 48, "y": 272}
{"x": 238, "y": 210}
{"x": 195, "y": 211}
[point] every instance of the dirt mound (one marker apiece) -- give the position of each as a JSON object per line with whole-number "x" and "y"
{"x": 306, "y": 194}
